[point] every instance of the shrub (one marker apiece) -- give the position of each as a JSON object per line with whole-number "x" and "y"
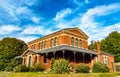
{"x": 61, "y": 66}
{"x": 82, "y": 68}
{"x": 21, "y": 68}
{"x": 37, "y": 67}
{"x": 99, "y": 67}
{"x": 52, "y": 62}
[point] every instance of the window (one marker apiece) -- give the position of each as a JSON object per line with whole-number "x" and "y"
{"x": 44, "y": 44}
{"x": 80, "y": 43}
{"x": 51, "y": 43}
{"x": 72, "y": 41}
{"x": 38, "y": 45}
{"x": 31, "y": 47}
{"x": 45, "y": 59}
{"x": 41, "y": 45}
{"x": 105, "y": 58}
{"x": 55, "y": 41}
{"x": 34, "y": 46}
{"x": 76, "y": 42}
{"x": 35, "y": 59}
{"x": 29, "y": 61}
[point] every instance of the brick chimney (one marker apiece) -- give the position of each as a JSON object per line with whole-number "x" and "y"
{"x": 98, "y": 47}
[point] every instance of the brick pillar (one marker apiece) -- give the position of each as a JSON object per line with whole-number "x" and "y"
{"x": 38, "y": 58}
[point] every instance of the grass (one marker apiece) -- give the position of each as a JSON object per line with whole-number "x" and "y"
{"x": 33, "y": 74}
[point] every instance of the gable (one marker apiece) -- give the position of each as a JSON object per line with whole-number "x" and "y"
{"x": 28, "y": 52}
{"x": 77, "y": 31}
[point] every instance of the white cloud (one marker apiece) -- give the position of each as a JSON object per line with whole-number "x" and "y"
{"x": 104, "y": 31}
{"x": 62, "y": 14}
{"x": 88, "y": 18}
{"x": 35, "y": 20}
{"x": 15, "y": 11}
{"x": 7, "y": 29}
{"x": 93, "y": 28}
{"x": 89, "y": 25}
{"x": 36, "y": 30}
{"x": 22, "y": 10}
{"x": 86, "y": 1}
{"x": 27, "y": 38}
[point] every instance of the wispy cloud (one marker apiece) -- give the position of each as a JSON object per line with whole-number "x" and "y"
{"x": 87, "y": 22}
{"x": 36, "y": 30}
{"x": 7, "y": 29}
{"x": 62, "y": 14}
{"x": 94, "y": 28}
{"x": 36, "y": 20}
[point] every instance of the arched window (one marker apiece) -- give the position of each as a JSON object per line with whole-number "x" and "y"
{"x": 34, "y": 46}
{"x": 72, "y": 40}
{"x": 45, "y": 44}
{"x": 51, "y": 43}
{"x": 55, "y": 41}
{"x": 76, "y": 42}
{"x": 42, "y": 45}
{"x": 80, "y": 43}
{"x": 38, "y": 45}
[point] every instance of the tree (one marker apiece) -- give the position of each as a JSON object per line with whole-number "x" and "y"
{"x": 93, "y": 45}
{"x": 110, "y": 44}
{"x": 9, "y": 49}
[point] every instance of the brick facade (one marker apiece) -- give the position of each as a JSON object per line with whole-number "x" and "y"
{"x": 72, "y": 38}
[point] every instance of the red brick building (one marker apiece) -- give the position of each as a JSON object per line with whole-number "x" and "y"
{"x": 70, "y": 44}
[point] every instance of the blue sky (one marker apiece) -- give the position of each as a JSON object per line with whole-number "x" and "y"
{"x": 31, "y": 19}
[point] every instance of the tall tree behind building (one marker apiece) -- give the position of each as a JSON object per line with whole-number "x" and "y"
{"x": 110, "y": 44}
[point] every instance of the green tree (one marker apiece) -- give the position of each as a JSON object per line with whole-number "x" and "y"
{"x": 93, "y": 45}
{"x": 9, "y": 49}
{"x": 111, "y": 44}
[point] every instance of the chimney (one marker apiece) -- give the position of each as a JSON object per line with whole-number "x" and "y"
{"x": 98, "y": 47}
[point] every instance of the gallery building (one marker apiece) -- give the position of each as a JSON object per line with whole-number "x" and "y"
{"x": 70, "y": 44}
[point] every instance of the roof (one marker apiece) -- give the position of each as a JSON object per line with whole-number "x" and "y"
{"x": 65, "y": 29}
{"x": 58, "y": 48}
{"x": 105, "y": 53}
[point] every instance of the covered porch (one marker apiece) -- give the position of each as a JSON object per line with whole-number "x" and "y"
{"x": 73, "y": 54}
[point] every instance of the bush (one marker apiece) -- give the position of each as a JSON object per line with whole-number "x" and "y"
{"x": 52, "y": 62}
{"x": 82, "y": 68}
{"x": 99, "y": 67}
{"x": 21, "y": 68}
{"x": 37, "y": 67}
{"x": 61, "y": 66}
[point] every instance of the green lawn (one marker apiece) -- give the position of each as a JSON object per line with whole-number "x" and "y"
{"x": 31, "y": 74}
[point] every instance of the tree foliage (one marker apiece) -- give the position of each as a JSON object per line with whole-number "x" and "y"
{"x": 9, "y": 49}
{"x": 93, "y": 45}
{"x": 110, "y": 44}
